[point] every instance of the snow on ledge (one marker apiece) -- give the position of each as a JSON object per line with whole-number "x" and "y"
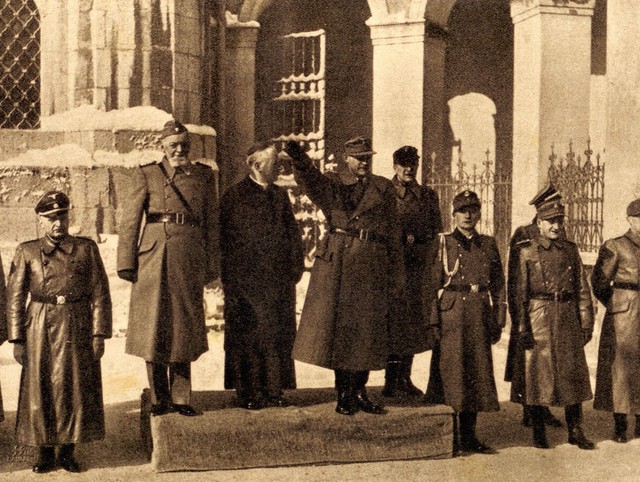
{"x": 72, "y": 155}
{"x": 141, "y": 118}
{"x": 233, "y": 22}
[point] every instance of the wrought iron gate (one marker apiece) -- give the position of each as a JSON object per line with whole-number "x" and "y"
{"x": 19, "y": 64}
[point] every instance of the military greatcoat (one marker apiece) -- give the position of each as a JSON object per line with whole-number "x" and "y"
{"x": 262, "y": 260}
{"x": 344, "y": 322}
{"x": 616, "y": 284}
{"x": 553, "y": 302}
{"x": 173, "y": 261}
{"x": 61, "y": 388}
{"x": 420, "y": 222}
{"x": 470, "y": 310}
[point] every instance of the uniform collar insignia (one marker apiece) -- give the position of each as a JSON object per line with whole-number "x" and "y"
{"x": 48, "y": 246}
{"x": 464, "y": 241}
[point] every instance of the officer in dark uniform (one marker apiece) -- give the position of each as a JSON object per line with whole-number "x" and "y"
{"x": 520, "y": 237}
{"x": 419, "y": 218}
{"x": 168, "y": 249}
{"x": 467, "y": 318}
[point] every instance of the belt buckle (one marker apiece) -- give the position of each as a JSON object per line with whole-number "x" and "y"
{"x": 179, "y": 218}
{"x": 60, "y": 300}
{"x": 475, "y": 288}
{"x": 411, "y": 239}
{"x": 363, "y": 235}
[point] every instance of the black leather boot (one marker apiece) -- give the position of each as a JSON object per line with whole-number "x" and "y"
{"x": 573, "y": 415}
{"x": 539, "y": 430}
{"x": 66, "y": 460}
{"x": 345, "y": 388}
{"x": 620, "y": 428}
{"x": 468, "y": 440}
{"x": 391, "y": 374}
{"x": 46, "y": 460}
{"x": 404, "y": 378}
{"x": 361, "y": 397}
{"x": 549, "y": 419}
{"x": 526, "y": 416}
{"x": 636, "y": 432}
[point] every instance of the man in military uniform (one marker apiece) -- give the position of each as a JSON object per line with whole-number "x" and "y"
{"x": 520, "y": 237}
{"x": 420, "y": 222}
{"x": 469, "y": 312}
{"x": 553, "y": 314}
{"x": 616, "y": 284}
{"x": 58, "y": 337}
{"x": 173, "y": 204}
{"x": 262, "y": 260}
{"x": 358, "y": 268}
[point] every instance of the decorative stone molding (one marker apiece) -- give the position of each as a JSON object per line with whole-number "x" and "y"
{"x": 524, "y": 9}
{"x": 402, "y": 32}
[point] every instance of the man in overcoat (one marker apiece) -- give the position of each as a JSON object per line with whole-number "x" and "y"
{"x": 262, "y": 260}
{"x": 520, "y": 237}
{"x": 168, "y": 249}
{"x": 357, "y": 270}
{"x": 616, "y": 284}
{"x": 554, "y": 318}
{"x": 3, "y": 322}
{"x": 59, "y": 314}
{"x": 420, "y": 222}
{"x": 467, "y": 318}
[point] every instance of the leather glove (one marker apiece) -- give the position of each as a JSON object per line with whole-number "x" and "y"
{"x": 586, "y": 336}
{"x": 98, "y": 347}
{"x": 128, "y": 275}
{"x": 296, "y": 152}
{"x": 526, "y": 340}
{"x": 20, "y": 353}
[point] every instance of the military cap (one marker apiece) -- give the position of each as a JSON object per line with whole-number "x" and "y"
{"x": 550, "y": 210}
{"x": 172, "y": 128}
{"x": 546, "y": 194}
{"x": 633, "y": 209}
{"x": 358, "y": 147}
{"x": 52, "y": 202}
{"x": 465, "y": 199}
{"x": 406, "y": 156}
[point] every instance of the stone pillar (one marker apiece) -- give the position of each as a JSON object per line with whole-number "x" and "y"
{"x": 398, "y": 85}
{"x": 622, "y": 172}
{"x": 241, "y": 40}
{"x": 436, "y": 122}
{"x": 552, "y": 68}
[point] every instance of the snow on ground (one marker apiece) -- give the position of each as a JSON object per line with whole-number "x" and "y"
{"x": 120, "y": 457}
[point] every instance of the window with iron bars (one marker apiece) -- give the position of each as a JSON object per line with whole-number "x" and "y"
{"x": 19, "y": 64}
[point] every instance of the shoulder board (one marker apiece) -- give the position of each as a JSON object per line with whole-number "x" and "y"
{"x": 523, "y": 242}
{"x": 203, "y": 164}
{"x": 148, "y": 163}
{"x": 83, "y": 238}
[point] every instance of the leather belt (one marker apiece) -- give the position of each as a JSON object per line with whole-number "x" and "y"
{"x": 621, "y": 285}
{"x": 175, "y": 218}
{"x": 560, "y": 296}
{"x": 361, "y": 234}
{"x": 467, "y": 288}
{"x": 58, "y": 299}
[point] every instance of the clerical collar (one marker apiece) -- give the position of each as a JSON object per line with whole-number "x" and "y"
{"x": 263, "y": 185}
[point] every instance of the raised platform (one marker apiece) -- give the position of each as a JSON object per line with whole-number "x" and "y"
{"x": 308, "y": 432}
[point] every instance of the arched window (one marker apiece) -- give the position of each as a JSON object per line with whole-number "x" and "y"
{"x": 19, "y": 64}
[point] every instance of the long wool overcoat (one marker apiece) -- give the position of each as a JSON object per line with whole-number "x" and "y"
{"x": 262, "y": 260}
{"x": 420, "y": 222}
{"x": 344, "y": 322}
{"x": 470, "y": 307}
{"x": 173, "y": 261}
{"x": 616, "y": 284}
{"x": 555, "y": 371}
{"x": 61, "y": 388}
{"x": 3, "y": 322}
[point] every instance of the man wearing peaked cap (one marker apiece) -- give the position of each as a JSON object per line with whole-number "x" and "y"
{"x": 553, "y": 316}
{"x": 58, "y": 336}
{"x": 616, "y": 284}
{"x": 520, "y": 237}
{"x": 168, "y": 250}
{"x": 467, "y": 310}
{"x": 419, "y": 220}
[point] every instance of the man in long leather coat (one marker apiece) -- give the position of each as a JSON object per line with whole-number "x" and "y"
{"x": 58, "y": 337}
{"x": 357, "y": 270}
{"x": 554, "y": 319}
{"x": 262, "y": 260}
{"x": 616, "y": 284}
{"x": 168, "y": 249}
{"x": 419, "y": 219}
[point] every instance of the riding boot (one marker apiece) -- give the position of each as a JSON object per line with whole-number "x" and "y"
{"x": 361, "y": 395}
{"x": 539, "y": 430}
{"x": 468, "y": 440}
{"x": 66, "y": 460}
{"x": 404, "y": 378}
{"x": 620, "y": 428}
{"x": 345, "y": 388}
{"x": 391, "y": 374}
{"x": 573, "y": 415}
{"x": 46, "y": 461}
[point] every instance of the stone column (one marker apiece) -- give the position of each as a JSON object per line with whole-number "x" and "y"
{"x": 552, "y": 68}
{"x": 398, "y": 85}
{"x": 241, "y": 40}
{"x": 436, "y": 122}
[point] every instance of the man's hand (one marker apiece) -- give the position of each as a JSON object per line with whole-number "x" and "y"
{"x": 495, "y": 334}
{"x": 296, "y": 152}
{"x": 586, "y": 335}
{"x": 98, "y": 347}
{"x": 20, "y": 353}
{"x": 526, "y": 340}
{"x": 128, "y": 275}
